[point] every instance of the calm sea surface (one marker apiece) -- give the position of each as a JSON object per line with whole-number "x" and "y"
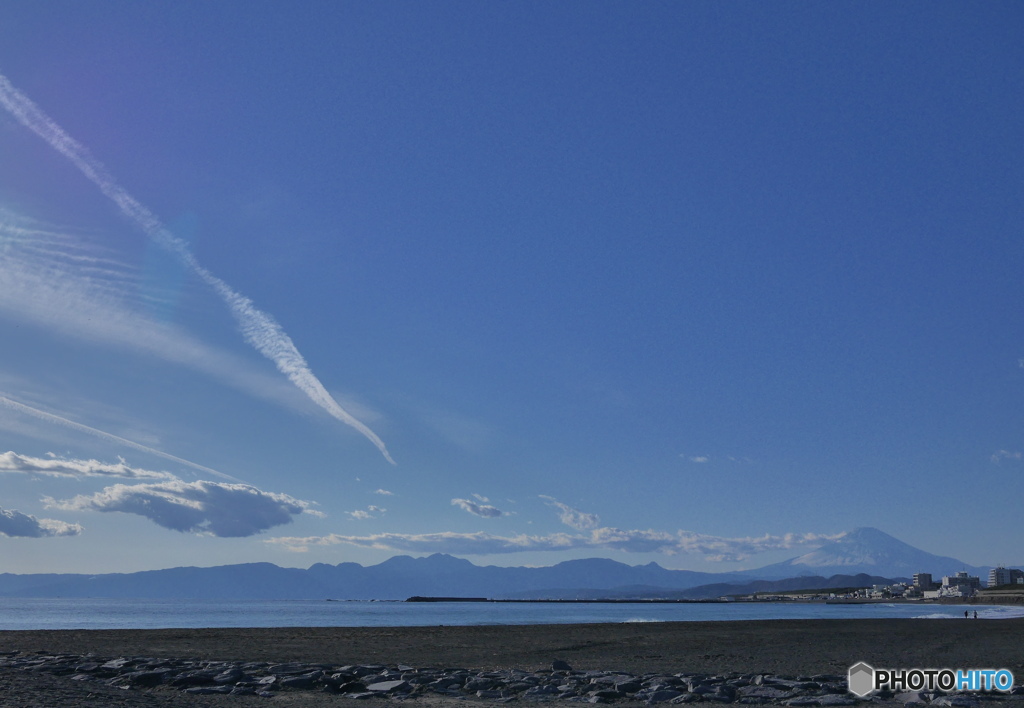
{"x": 75, "y": 613}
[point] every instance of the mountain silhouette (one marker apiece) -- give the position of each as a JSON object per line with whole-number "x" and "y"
{"x": 864, "y": 550}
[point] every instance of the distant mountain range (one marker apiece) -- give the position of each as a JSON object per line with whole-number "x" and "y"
{"x": 862, "y": 551}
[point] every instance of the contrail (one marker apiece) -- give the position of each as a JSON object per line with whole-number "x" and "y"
{"x": 259, "y": 328}
{"x": 50, "y": 417}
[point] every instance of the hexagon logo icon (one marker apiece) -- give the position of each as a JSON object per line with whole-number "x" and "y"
{"x": 861, "y": 679}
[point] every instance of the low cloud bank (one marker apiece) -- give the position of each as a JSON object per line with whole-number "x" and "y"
{"x": 713, "y": 548}
{"x": 716, "y": 548}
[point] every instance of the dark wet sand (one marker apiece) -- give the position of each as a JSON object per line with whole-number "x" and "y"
{"x": 780, "y": 647}
{"x": 794, "y": 647}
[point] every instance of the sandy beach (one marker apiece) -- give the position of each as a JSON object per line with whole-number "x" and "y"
{"x": 778, "y": 647}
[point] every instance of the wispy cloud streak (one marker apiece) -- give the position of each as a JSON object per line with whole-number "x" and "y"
{"x": 54, "y": 466}
{"x": 258, "y": 328}
{"x": 51, "y": 279}
{"x": 51, "y": 418}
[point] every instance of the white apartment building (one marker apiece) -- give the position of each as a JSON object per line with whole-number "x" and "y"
{"x": 1005, "y": 576}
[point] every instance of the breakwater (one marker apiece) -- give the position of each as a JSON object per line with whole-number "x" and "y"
{"x": 559, "y": 683}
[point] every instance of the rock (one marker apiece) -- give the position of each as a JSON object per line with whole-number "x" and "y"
{"x": 630, "y": 686}
{"x": 962, "y": 701}
{"x": 662, "y": 696}
{"x": 352, "y": 687}
{"x": 559, "y": 665}
{"x": 764, "y": 692}
{"x": 231, "y": 675}
{"x": 305, "y": 681}
{"x": 147, "y": 678}
{"x": 828, "y": 678}
{"x": 290, "y": 669}
{"x": 608, "y": 694}
{"x": 116, "y": 664}
{"x": 518, "y": 686}
{"x": 208, "y": 690}
{"x": 192, "y": 678}
{"x": 361, "y": 671}
{"x": 398, "y": 686}
{"x": 702, "y": 688}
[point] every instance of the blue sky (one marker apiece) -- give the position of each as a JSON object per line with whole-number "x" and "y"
{"x": 694, "y": 283}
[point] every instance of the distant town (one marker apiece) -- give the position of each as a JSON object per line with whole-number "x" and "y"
{"x": 960, "y": 586}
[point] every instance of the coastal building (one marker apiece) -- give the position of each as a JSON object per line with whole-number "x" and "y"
{"x": 923, "y": 581}
{"x": 959, "y": 585}
{"x": 1005, "y": 576}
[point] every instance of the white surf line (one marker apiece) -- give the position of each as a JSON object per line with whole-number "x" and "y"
{"x": 259, "y": 328}
{"x": 51, "y": 418}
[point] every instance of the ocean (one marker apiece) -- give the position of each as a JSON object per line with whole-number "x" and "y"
{"x": 92, "y": 613}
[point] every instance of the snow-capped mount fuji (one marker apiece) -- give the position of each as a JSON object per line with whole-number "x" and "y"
{"x": 868, "y": 550}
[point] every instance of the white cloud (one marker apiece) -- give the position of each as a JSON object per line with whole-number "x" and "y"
{"x": 483, "y": 510}
{"x": 371, "y": 512}
{"x": 573, "y": 518}
{"x": 703, "y": 459}
{"x": 1001, "y": 455}
{"x": 14, "y": 523}
{"x": 225, "y": 510}
{"x": 53, "y": 466}
{"x": 384, "y": 492}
